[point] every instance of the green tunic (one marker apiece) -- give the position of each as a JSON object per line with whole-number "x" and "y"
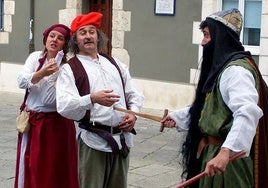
{"x": 216, "y": 120}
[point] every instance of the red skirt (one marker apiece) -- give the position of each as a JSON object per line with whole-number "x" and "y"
{"x": 50, "y": 158}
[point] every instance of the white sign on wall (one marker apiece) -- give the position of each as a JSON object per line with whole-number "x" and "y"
{"x": 164, "y": 7}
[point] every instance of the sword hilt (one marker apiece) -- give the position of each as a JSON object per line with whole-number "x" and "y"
{"x": 162, "y": 126}
{"x": 147, "y": 116}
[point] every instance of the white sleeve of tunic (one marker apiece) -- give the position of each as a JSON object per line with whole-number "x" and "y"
{"x": 42, "y": 94}
{"x": 69, "y": 102}
{"x": 181, "y": 117}
{"x": 237, "y": 86}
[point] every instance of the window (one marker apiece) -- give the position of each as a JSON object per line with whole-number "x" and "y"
{"x": 1, "y": 15}
{"x": 251, "y": 10}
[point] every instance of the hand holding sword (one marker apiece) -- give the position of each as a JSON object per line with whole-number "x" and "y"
{"x": 147, "y": 116}
{"x": 203, "y": 174}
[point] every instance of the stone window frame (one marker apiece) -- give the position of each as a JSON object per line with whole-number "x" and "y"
{"x": 8, "y": 12}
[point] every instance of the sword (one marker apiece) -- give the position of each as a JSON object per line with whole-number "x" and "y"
{"x": 147, "y": 116}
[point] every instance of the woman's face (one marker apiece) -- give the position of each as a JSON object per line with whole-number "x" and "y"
{"x": 55, "y": 41}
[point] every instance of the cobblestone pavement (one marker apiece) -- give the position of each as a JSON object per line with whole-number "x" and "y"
{"x": 154, "y": 160}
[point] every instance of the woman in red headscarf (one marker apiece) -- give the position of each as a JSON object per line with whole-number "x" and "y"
{"x": 47, "y": 154}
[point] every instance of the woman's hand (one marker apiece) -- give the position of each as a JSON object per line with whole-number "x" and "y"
{"x": 50, "y": 68}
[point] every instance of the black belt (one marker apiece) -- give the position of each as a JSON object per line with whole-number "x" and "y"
{"x": 106, "y": 133}
{"x": 112, "y": 130}
{"x": 97, "y": 125}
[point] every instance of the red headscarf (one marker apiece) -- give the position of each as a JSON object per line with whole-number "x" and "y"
{"x": 63, "y": 29}
{"x": 92, "y": 18}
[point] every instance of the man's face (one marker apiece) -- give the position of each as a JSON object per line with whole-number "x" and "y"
{"x": 87, "y": 40}
{"x": 206, "y": 36}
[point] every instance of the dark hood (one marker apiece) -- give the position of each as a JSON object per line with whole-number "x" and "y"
{"x": 226, "y": 48}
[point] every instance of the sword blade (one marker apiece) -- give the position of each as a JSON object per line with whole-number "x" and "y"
{"x": 147, "y": 116}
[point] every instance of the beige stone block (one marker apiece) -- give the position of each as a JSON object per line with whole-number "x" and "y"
{"x": 4, "y": 37}
{"x": 194, "y": 76}
{"x": 118, "y": 39}
{"x": 263, "y": 65}
{"x": 200, "y": 56}
{"x": 165, "y": 95}
{"x": 8, "y": 23}
{"x": 117, "y": 4}
{"x": 74, "y": 4}
{"x": 8, "y": 77}
{"x": 209, "y": 7}
{"x": 121, "y": 20}
{"x": 264, "y": 6}
{"x": 264, "y": 27}
{"x": 9, "y": 7}
{"x": 264, "y": 47}
{"x": 122, "y": 55}
{"x": 67, "y": 15}
{"x": 197, "y": 34}
{"x": 254, "y": 50}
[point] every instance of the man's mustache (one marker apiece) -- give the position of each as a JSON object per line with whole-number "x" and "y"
{"x": 88, "y": 40}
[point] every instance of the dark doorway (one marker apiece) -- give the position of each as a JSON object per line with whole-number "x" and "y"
{"x": 105, "y": 7}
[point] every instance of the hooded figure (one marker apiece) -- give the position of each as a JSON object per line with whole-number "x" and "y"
{"x": 224, "y": 116}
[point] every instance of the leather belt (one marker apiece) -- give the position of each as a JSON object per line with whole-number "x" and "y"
{"x": 208, "y": 140}
{"x": 111, "y": 130}
{"x": 97, "y": 125}
{"x": 106, "y": 133}
{"x": 99, "y": 130}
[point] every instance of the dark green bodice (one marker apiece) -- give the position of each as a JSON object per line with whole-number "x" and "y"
{"x": 216, "y": 120}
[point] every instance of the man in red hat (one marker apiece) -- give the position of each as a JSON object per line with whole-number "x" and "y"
{"x": 88, "y": 88}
